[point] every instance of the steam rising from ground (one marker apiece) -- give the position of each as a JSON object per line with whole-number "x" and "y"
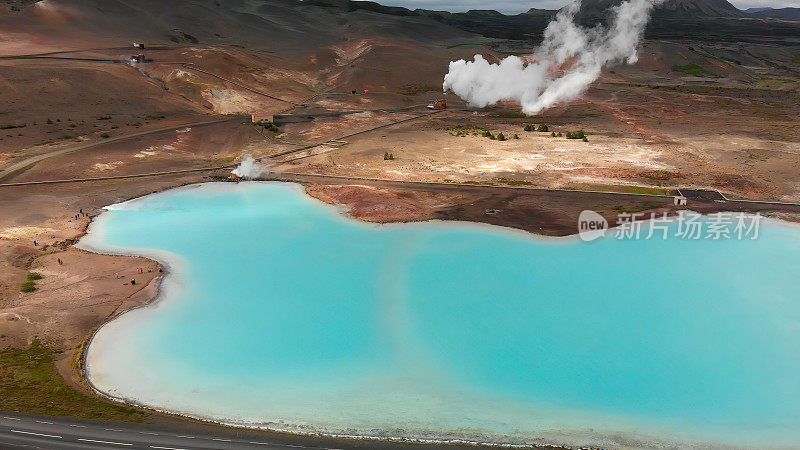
{"x": 249, "y": 168}
{"x": 567, "y": 61}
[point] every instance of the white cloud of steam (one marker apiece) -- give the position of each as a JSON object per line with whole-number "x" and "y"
{"x": 249, "y": 168}
{"x": 567, "y": 61}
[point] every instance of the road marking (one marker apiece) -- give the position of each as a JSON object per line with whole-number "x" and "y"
{"x": 104, "y": 442}
{"x": 78, "y": 426}
{"x": 166, "y": 448}
{"x": 218, "y": 439}
{"x": 42, "y": 421}
{"x": 186, "y": 437}
{"x": 147, "y": 432}
{"x": 11, "y": 418}
{"x": 112, "y": 429}
{"x": 35, "y": 434}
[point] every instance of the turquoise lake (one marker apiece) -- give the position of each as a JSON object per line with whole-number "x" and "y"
{"x": 279, "y": 311}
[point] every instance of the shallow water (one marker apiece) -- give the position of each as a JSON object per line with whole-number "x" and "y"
{"x": 279, "y": 311}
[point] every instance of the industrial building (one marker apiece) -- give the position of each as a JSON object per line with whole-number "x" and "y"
{"x": 262, "y": 118}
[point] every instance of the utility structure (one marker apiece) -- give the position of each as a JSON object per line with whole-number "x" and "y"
{"x": 136, "y": 59}
{"x": 437, "y": 104}
{"x": 261, "y": 118}
{"x": 138, "y": 45}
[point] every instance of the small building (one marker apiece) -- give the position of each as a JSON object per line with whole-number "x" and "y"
{"x": 437, "y": 104}
{"x": 138, "y": 45}
{"x": 680, "y": 200}
{"x": 262, "y": 118}
{"x": 136, "y": 59}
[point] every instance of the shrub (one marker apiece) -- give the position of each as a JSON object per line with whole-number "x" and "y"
{"x": 585, "y": 139}
{"x": 33, "y": 276}
{"x": 559, "y": 134}
{"x": 501, "y": 137}
{"x": 488, "y": 134}
{"x": 28, "y": 286}
{"x": 516, "y": 136}
{"x": 49, "y": 121}
{"x": 104, "y": 135}
{"x": 543, "y": 128}
{"x": 553, "y": 134}
{"x": 576, "y": 134}
{"x": 528, "y": 127}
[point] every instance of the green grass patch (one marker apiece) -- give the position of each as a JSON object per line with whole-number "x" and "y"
{"x": 769, "y": 83}
{"x": 223, "y": 160}
{"x": 693, "y": 70}
{"x": 796, "y": 60}
{"x": 28, "y": 286}
{"x": 641, "y": 206}
{"x": 11, "y": 126}
{"x": 508, "y": 115}
{"x": 511, "y": 182}
{"x": 459, "y": 45}
{"x": 154, "y": 117}
{"x": 585, "y": 115}
{"x": 414, "y": 89}
{"x": 622, "y": 188}
{"x": 29, "y": 382}
{"x": 33, "y": 276}
{"x": 708, "y": 55}
{"x": 465, "y": 130}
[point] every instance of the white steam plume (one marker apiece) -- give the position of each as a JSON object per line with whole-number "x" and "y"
{"x": 249, "y": 168}
{"x": 567, "y": 61}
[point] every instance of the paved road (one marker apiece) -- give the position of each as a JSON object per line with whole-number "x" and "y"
{"x": 28, "y": 431}
{"x": 20, "y": 166}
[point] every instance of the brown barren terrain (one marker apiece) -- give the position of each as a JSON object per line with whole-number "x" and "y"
{"x": 719, "y": 116}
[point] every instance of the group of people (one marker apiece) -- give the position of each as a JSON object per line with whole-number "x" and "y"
{"x": 81, "y": 214}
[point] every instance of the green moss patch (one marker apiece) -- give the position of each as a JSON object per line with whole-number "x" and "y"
{"x": 694, "y": 70}
{"x": 29, "y": 382}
